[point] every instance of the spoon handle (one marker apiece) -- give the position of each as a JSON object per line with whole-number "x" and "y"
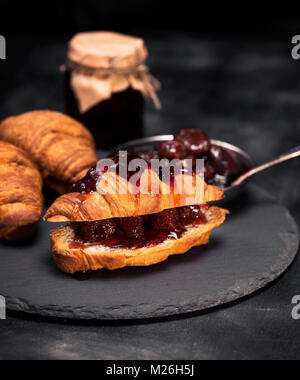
{"x": 293, "y": 153}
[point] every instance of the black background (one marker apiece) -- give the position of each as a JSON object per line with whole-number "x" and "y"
{"x": 224, "y": 68}
{"x": 216, "y": 18}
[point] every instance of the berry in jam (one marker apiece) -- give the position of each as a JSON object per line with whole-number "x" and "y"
{"x": 138, "y": 232}
{"x": 225, "y": 166}
{"x": 194, "y": 141}
{"x": 172, "y": 150}
{"x": 221, "y": 166}
{"x": 191, "y": 214}
{"x": 132, "y": 227}
{"x": 87, "y": 185}
{"x": 93, "y": 231}
{"x": 223, "y": 161}
{"x": 165, "y": 220}
{"x": 120, "y": 165}
{"x": 209, "y": 172}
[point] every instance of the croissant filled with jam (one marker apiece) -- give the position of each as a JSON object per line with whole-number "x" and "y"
{"x": 115, "y": 221}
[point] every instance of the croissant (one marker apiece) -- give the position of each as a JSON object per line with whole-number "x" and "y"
{"x": 72, "y": 257}
{"x": 21, "y": 199}
{"x": 76, "y": 207}
{"x": 128, "y": 229}
{"x": 62, "y": 148}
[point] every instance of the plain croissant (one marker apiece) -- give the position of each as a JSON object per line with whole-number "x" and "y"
{"x": 62, "y": 148}
{"x": 21, "y": 199}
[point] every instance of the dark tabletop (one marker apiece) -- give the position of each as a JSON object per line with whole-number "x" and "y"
{"x": 242, "y": 91}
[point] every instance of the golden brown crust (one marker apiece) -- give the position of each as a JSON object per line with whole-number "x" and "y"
{"x": 62, "y": 148}
{"x": 21, "y": 199}
{"x": 75, "y": 207}
{"x": 93, "y": 258}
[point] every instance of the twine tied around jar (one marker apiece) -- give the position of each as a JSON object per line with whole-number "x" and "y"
{"x": 150, "y": 85}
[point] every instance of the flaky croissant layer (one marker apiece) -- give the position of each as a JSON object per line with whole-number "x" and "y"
{"x": 94, "y": 257}
{"x": 76, "y": 207}
{"x": 21, "y": 199}
{"x": 62, "y": 148}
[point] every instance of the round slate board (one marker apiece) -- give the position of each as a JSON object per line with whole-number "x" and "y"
{"x": 257, "y": 243}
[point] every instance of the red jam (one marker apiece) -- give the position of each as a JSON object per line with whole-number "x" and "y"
{"x": 87, "y": 185}
{"x": 172, "y": 150}
{"x": 125, "y": 169}
{"x": 80, "y": 200}
{"x": 193, "y": 141}
{"x": 221, "y": 166}
{"x": 139, "y": 232}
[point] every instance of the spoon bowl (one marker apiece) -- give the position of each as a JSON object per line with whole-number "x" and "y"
{"x": 152, "y": 143}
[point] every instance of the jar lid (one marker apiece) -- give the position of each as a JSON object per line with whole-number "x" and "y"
{"x": 106, "y": 50}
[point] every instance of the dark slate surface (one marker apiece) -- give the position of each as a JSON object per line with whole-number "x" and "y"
{"x": 256, "y": 245}
{"x": 247, "y": 93}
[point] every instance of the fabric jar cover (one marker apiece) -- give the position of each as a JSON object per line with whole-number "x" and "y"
{"x": 104, "y": 63}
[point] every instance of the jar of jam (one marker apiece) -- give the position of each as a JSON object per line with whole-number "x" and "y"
{"x": 106, "y": 83}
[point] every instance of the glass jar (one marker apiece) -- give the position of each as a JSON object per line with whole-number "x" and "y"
{"x": 106, "y": 83}
{"x": 112, "y": 121}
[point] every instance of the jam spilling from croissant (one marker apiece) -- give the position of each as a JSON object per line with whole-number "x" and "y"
{"x": 87, "y": 185}
{"x": 139, "y": 232}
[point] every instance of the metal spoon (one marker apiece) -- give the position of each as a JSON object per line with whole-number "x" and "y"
{"x": 285, "y": 157}
{"x": 150, "y": 143}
